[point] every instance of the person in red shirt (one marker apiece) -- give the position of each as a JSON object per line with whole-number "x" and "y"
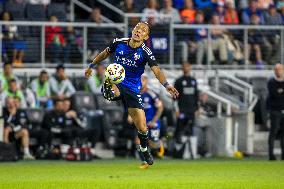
{"x": 54, "y": 40}
{"x": 231, "y": 15}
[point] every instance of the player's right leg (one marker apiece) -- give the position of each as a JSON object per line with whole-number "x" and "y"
{"x": 110, "y": 91}
{"x": 139, "y": 120}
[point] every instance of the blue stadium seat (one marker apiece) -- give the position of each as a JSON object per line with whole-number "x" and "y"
{"x": 36, "y": 12}
{"x": 58, "y": 10}
{"x": 16, "y": 9}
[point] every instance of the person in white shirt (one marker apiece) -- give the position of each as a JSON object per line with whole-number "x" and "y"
{"x": 169, "y": 10}
{"x": 61, "y": 87}
{"x": 150, "y": 13}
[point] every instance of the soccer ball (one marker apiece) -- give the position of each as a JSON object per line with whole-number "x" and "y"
{"x": 115, "y": 73}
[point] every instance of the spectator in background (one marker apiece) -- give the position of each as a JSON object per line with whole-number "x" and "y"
{"x": 255, "y": 40}
{"x": 54, "y": 40}
{"x": 76, "y": 122}
{"x": 218, "y": 43}
{"x": 96, "y": 16}
{"x": 252, "y": 9}
{"x": 264, "y": 4}
{"x": 15, "y": 123}
{"x": 150, "y": 13}
{"x": 5, "y": 76}
{"x": 128, "y": 6}
{"x": 96, "y": 36}
{"x": 188, "y": 13}
{"x": 14, "y": 91}
{"x": 61, "y": 87}
{"x": 220, "y": 11}
{"x": 94, "y": 83}
{"x": 169, "y": 10}
{"x": 187, "y": 103}
{"x": 205, "y": 111}
{"x": 34, "y": 132}
{"x": 54, "y": 123}
{"x": 272, "y": 17}
{"x": 74, "y": 44}
{"x": 41, "y": 88}
{"x": 276, "y": 106}
{"x": 231, "y": 15}
{"x": 200, "y": 36}
{"x": 12, "y": 40}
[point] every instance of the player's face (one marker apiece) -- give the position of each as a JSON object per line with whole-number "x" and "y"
{"x": 140, "y": 32}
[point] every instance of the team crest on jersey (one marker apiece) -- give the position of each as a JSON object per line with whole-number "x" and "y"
{"x": 136, "y": 56}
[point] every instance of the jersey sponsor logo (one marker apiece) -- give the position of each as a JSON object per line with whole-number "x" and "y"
{"x": 120, "y": 52}
{"x": 126, "y": 61}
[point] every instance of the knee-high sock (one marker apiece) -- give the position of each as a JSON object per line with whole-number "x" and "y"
{"x": 140, "y": 154}
{"x": 143, "y": 139}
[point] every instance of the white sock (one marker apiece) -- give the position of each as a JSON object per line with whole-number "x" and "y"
{"x": 143, "y": 149}
{"x": 26, "y": 151}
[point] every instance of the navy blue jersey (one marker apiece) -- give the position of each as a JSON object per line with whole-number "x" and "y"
{"x": 133, "y": 60}
{"x": 149, "y": 99}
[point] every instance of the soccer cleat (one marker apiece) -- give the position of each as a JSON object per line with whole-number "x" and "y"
{"x": 144, "y": 165}
{"x": 161, "y": 153}
{"x": 107, "y": 91}
{"x": 148, "y": 157}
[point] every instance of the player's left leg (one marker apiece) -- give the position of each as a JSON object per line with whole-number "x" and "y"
{"x": 139, "y": 120}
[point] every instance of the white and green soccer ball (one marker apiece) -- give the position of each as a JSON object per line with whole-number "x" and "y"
{"x": 115, "y": 73}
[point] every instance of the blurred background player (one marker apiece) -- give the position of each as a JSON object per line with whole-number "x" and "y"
{"x": 15, "y": 126}
{"x": 133, "y": 55}
{"x": 276, "y": 107}
{"x": 153, "y": 108}
{"x": 187, "y": 104}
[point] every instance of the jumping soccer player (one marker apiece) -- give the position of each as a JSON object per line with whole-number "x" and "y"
{"x": 133, "y": 55}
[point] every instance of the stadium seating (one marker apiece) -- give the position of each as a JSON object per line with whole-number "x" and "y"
{"x": 16, "y": 9}
{"x": 58, "y": 10}
{"x": 35, "y": 12}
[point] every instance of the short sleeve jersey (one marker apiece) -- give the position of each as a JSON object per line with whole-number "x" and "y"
{"x": 133, "y": 60}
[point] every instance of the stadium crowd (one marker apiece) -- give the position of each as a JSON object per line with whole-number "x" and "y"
{"x": 65, "y": 44}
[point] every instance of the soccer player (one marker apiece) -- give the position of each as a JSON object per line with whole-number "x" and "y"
{"x": 133, "y": 55}
{"x": 153, "y": 108}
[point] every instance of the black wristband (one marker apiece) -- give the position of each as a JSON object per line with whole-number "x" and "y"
{"x": 166, "y": 84}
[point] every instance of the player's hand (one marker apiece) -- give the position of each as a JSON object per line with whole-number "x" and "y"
{"x": 172, "y": 91}
{"x": 151, "y": 124}
{"x": 88, "y": 72}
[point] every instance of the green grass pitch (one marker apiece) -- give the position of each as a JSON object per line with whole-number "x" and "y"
{"x": 124, "y": 174}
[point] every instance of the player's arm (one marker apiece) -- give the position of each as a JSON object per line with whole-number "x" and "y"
{"x": 162, "y": 79}
{"x": 160, "y": 108}
{"x": 100, "y": 57}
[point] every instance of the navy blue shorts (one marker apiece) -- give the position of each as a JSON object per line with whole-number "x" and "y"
{"x": 130, "y": 98}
